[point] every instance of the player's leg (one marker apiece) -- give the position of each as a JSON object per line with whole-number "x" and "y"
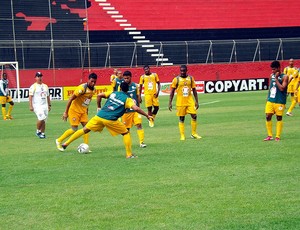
{"x": 137, "y": 121}
{"x": 293, "y": 104}
{"x": 10, "y": 107}
{"x": 279, "y": 109}
{"x": 192, "y": 111}
{"x": 269, "y": 111}
{"x": 3, "y": 106}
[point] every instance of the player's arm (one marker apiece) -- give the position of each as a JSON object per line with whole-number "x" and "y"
{"x": 99, "y": 99}
{"x": 196, "y": 97}
{"x": 65, "y": 114}
{"x": 284, "y": 84}
{"x": 140, "y": 93}
{"x": 171, "y": 98}
{"x": 30, "y": 103}
{"x": 140, "y": 111}
{"x": 49, "y": 103}
{"x": 158, "y": 89}
{"x": 1, "y": 88}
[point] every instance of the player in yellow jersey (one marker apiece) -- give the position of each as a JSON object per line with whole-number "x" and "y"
{"x": 117, "y": 81}
{"x": 292, "y": 72}
{"x": 185, "y": 103}
{"x": 77, "y": 109}
{"x": 5, "y": 98}
{"x": 151, "y": 84}
{"x": 114, "y": 75}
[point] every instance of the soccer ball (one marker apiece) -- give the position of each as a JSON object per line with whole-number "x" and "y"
{"x": 83, "y": 148}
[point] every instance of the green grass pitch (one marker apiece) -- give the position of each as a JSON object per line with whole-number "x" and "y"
{"x": 230, "y": 179}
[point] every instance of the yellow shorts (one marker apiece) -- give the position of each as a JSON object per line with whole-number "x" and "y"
{"x": 97, "y": 124}
{"x": 76, "y": 118}
{"x": 4, "y": 99}
{"x": 132, "y": 118}
{"x": 151, "y": 100}
{"x": 184, "y": 110}
{"x": 274, "y": 108}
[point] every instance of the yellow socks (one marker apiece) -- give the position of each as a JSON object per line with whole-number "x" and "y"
{"x": 127, "y": 143}
{"x": 194, "y": 127}
{"x": 141, "y": 135}
{"x": 279, "y": 125}
{"x": 181, "y": 130}
{"x": 75, "y": 136}
{"x": 269, "y": 128}
{"x": 86, "y": 138}
{"x": 65, "y": 135}
{"x": 292, "y": 106}
{"x": 9, "y": 110}
{"x": 3, "y": 112}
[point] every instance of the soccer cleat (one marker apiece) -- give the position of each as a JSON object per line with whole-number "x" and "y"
{"x": 195, "y": 136}
{"x": 151, "y": 123}
{"x": 63, "y": 147}
{"x": 38, "y": 133}
{"x": 277, "y": 138}
{"x": 143, "y": 145}
{"x": 268, "y": 138}
{"x": 42, "y": 136}
{"x": 182, "y": 138}
{"x": 8, "y": 117}
{"x": 131, "y": 156}
{"x": 59, "y": 146}
{"x": 289, "y": 114}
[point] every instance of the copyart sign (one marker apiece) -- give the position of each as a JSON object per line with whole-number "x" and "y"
{"x": 236, "y": 85}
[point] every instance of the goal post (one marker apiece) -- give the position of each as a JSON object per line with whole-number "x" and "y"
{"x": 12, "y": 70}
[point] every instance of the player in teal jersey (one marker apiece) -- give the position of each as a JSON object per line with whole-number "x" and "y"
{"x": 276, "y": 100}
{"x": 115, "y": 106}
{"x": 132, "y": 118}
{"x": 5, "y": 98}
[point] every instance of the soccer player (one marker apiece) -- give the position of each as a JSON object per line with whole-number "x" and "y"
{"x": 292, "y": 72}
{"x": 114, "y": 75}
{"x": 40, "y": 103}
{"x": 77, "y": 109}
{"x": 117, "y": 81}
{"x": 131, "y": 117}
{"x": 276, "y": 100}
{"x": 185, "y": 103}
{"x": 151, "y": 91}
{"x": 116, "y": 104}
{"x": 5, "y": 98}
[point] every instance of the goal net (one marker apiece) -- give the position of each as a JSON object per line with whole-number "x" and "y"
{"x": 12, "y": 71}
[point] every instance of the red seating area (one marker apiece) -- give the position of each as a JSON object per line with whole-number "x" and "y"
{"x": 196, "y": 14}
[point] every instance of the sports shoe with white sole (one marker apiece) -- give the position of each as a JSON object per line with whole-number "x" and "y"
{"x": 195, "y": 136}
{"x": 131, "y": 156}
{"x": 143, "y": 145}
{"x": 289, "y": 114}
{"x": 59, "y": 146}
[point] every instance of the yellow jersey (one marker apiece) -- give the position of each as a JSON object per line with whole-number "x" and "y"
{"x": 83, "y": 98}
{"x": 150, "y": 83}
{"x": 184, "y": 88}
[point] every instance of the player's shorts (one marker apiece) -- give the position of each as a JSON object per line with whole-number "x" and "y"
{"x": 76, "y": 118}
{"x": 151, "y": 100}
{"x": 4, "y": 99}
{"x": 184, "y": 110}
{"x": 132, "y": 118}
{"x": 274, "y": 108}
{"x": 41, "y": 112}
{"x": 97, "y": 124}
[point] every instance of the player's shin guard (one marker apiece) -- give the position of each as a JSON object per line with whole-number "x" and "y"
{"x": 269, "y": 128}
{"x": 86, "y": 138}
{"x": 279, "y": 125}
{"x": 127, "y": 143}
{"x": 9, "y": 110}
{"x": 141, "y": 135}
{"x": 65, "y": 135}
{"x": 194, "y": 126}
{"x": 75, "y": 136}
{"x": 181, "y": 128}
{"x": 4, "y": 112}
